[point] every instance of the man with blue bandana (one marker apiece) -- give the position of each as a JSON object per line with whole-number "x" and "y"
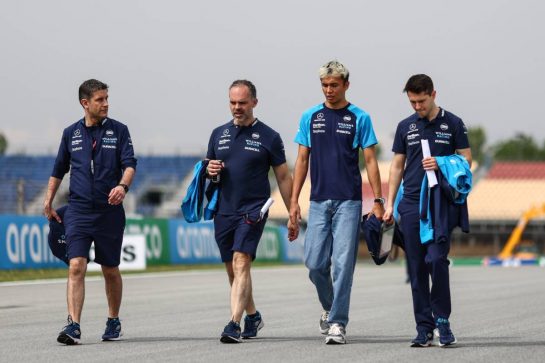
{"x": 98, "y": 152}
{"x": 446, "y": 135}
{"x": 241, "y": 153}
{"x": 330, "y": 135}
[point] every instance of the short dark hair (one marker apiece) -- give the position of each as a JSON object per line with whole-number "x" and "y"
{"x": 244, "y": 82}
{"x": 89, "y": 87}
{"x": 419, "y": 83}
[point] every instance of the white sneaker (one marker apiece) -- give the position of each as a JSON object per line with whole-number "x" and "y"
{"x": 336, "y": 334}
{"x": 324, "y": 323}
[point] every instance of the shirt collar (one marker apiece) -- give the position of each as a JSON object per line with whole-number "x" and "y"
{"x": 439, "y": 116}
{"x": 251, "y": 125}
{"x": 82, "y": 121}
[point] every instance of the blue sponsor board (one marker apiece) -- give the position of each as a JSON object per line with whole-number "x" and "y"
{"x": 510, "y": 262}
{"x": 23, "y": 243}
{"x": 192, "y": 243}
{"x": 292, "y": 252}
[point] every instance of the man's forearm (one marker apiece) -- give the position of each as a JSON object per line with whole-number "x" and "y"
{"x": 299, "y": 176}
{"x": 373, "y": 173}
{"x": 393, "y": 184}
{"x": 127, "y": 176}
{"x": 52, "y": 187}
{"x": 285, "y": 182}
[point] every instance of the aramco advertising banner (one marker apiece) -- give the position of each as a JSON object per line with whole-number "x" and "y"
{"x": 24, "y": 243}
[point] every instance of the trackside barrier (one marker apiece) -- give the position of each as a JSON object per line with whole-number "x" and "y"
{"x": 270, "y": 245}
{"x": 192, "y": 243}
{"x": 23, "y": 243}
{"x": 292, "y": 252}
{"x": 513, "y": 262}
{"x": 156, "y": 231}
{"x": 133, "y": 254}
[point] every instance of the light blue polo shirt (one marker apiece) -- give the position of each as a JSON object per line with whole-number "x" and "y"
{"x": 334, "y": 138}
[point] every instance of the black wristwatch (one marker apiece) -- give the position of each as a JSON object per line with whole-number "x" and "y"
{"x": 380, "y": 200}
{"x": 125, "y": 187}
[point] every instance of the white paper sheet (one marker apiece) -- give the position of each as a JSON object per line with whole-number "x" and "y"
{"x": 266, "y": 207}
{"x": 432, "y": 178}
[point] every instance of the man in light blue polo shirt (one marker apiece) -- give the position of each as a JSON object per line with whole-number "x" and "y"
{"x": 330, "y": 135}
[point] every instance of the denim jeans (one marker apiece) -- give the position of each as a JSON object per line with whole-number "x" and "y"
{"x": 331, "y": 249}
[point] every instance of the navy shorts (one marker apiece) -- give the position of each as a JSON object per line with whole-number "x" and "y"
{"x": 240, "y": 233}
{"x": 104, "y": 228}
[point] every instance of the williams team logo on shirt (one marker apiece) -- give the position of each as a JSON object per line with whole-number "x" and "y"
{"x": 109, "y": 142}
{"x": 346, "y": 127}
{"x": 252, "y": 145}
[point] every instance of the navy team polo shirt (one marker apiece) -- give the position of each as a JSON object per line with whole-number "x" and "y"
{"x": 334, "y": 138}
{"x": 445, "y": 134}
{"x": 94, "y": 171}
{"x": 247, "y": 152}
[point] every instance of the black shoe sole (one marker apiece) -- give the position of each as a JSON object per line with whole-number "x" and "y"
{"x": 230, "y": 340}
{"x": 418, "y": 345}
{"x": 66, "y": 339}
{"x": 334, "y": 342}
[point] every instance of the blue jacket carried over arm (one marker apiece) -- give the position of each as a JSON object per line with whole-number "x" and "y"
{"x": 444, "y": 206}
{"x": 192, "y": 205}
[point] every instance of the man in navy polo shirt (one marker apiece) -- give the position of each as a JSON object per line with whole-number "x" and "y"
{"x": 446, "y": 135}
{"x": 240, "y": 154}
{"x": 330, "y": 135}
{"x": 98, "y": 152}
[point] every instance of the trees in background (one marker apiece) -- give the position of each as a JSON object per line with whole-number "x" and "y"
{"x": 522, "y": 147}
{"x": 477, "y": 141}
{"x": 3, "y": 144}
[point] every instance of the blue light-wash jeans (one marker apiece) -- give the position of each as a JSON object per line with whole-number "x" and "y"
{"x": 331, "y": 249}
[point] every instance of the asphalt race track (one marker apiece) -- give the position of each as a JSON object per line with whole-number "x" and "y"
{"x": 498, "y": 316}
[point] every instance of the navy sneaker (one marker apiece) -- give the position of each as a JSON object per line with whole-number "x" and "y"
{"x": 423, "y": 339}
{"x": 252, "y": 326}
{"x": 231, "y": 333}
{"x": 446, "y": 338}
{"x": 70, "y": 334}
{"x": 113, "y": 330}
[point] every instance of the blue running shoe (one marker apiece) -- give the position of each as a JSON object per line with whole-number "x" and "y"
{"x": 423, "y": 339}
{"x": 446, "y": 338}
{"x": 70, "y": 334}
{"x": 231, "y": 333}
{"x": 113, "y": 330}
{"x": 252, "y": 326}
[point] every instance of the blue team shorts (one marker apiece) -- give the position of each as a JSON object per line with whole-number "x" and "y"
{"x": 240, "y": 233}
{"x": 104, "y": 228}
